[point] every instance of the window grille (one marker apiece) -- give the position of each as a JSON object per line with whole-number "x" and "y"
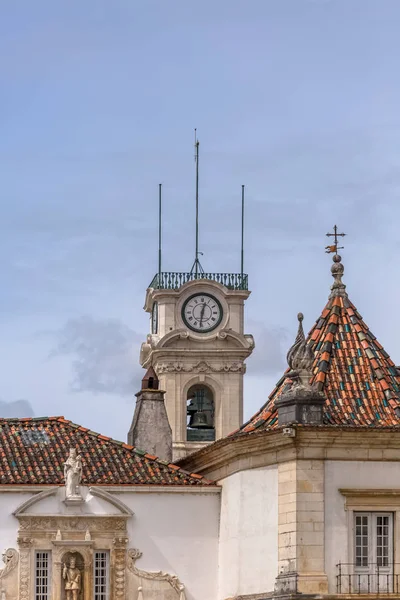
{"x": 101, "y": 576}
{"x": 42, "y": 576}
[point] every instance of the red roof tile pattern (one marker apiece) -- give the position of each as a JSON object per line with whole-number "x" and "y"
{"x": 34, "y": 450}
{"x": 360, "y": 381}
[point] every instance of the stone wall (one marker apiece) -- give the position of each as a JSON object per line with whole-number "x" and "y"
{"x": 301, "y": 526}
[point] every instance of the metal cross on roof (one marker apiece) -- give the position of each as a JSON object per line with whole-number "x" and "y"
{"x": 334, "y": 248}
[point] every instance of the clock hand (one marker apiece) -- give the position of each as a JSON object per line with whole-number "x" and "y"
{"x": 202, "y": 313}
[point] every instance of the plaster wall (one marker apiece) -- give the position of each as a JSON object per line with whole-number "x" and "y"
{"x": 248, "y": 546}
{"x": 8, "y": 523}
{"x": 176, "y": 532}
{"x": 351, "y": 475}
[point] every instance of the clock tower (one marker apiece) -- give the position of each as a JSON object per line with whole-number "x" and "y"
{"x": 197, "y": 347}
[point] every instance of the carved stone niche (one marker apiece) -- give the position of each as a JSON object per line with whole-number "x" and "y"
{"x": 83, "y": 560}
{"x": 75, "y": 534}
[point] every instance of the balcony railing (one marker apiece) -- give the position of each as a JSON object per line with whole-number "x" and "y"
{"x": 372, "y": 579}
{"x": 173, "y": 281}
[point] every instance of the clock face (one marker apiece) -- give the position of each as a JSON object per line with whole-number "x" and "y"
{"x": 202, "y": 312}
{"x": 154, "y": 318}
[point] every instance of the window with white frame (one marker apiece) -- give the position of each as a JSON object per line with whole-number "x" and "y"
{"x": 101, "y": 575}
{"x": 42, "y": 575}
{"x": 373, "y": 540}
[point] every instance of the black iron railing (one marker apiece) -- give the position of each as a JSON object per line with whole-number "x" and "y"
{"x": 173, "y": 280}
{"x": 370, "y": 579}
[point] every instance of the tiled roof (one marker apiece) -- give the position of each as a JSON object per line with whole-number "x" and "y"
{"x": 33, "y": 451}
{"x": 360, "y": 381}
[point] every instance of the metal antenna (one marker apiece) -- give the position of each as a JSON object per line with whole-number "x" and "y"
{"x": 196, "y": 158}
{"x": 242, "y": 244}
{"x": 159, "y": 234}
{"x": 196, "y": 265}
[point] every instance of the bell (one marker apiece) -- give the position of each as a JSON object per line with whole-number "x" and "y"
{"x": 199, "y": 421}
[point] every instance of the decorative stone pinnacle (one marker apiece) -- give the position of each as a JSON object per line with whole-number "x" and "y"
{"x": 300, "y": 358}
{"x": 337, "y": 269}
{"x": 302, "y": 402}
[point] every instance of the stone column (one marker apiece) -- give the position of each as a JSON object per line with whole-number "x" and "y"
{"x": 24, "y": 545}
{"x": 119, "y": 567}
{"x": 301, "y": 551}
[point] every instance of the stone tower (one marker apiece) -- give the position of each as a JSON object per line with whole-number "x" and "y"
{"x": 197, "y": 347}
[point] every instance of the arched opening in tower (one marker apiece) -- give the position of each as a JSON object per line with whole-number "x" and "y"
{"x": 200, "y": 412}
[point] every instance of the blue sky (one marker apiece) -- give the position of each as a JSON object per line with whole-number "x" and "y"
{"x": 297, "y": 99}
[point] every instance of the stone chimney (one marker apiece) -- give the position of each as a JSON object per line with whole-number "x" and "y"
{"x": 302, "y": 403}
{"x": 150, "y": 429}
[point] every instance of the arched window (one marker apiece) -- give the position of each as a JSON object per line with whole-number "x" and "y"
{"x": 200, "y": 414}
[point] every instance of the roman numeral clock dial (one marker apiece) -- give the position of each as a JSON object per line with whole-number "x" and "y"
{"x": 202, "y": 312}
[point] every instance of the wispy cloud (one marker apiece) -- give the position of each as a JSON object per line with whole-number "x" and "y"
{"x": 103, "y": 355}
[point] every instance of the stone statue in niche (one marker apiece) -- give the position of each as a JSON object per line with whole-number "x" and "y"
{"x": 73, "y": 579}
{"x": 73, "y": 474}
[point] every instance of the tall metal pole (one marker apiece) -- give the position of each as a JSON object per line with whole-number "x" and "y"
{"x": 197, "y": 203}
{"x": 159, "y": 234}
{"x": 242, "y": 244}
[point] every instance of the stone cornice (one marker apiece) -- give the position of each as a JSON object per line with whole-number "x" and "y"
{"x": 264, "y": 448}
{"x": 105, "y": 495}
{"x": 373, "y": 493}
{"x": 241, "y": 453}
{"x": 189, "y": 356}
{"x": 240, "y": 341}
{"x": 120, "y": 489}
{"x": 34, "y": 500}
{"x": 373, "y": 499}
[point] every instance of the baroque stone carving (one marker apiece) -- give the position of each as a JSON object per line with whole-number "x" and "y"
{"x": 134, "y": 554}
{"x": 83, "y": 553}
{"x": 10, "y": 560}
{"x": 300, "y": 358}
{"x": 72, "y": 524}
{"x": 24, "y": 544}
{"x": 200, "y": 367}
{"x": 302, "y": 402}
{"x": 73, "y": 475}
{"x": 120, "y": 566}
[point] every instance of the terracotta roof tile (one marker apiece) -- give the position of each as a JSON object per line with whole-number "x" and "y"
{"x": 360, "y": 381}
{"x": 33, "y": 451}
